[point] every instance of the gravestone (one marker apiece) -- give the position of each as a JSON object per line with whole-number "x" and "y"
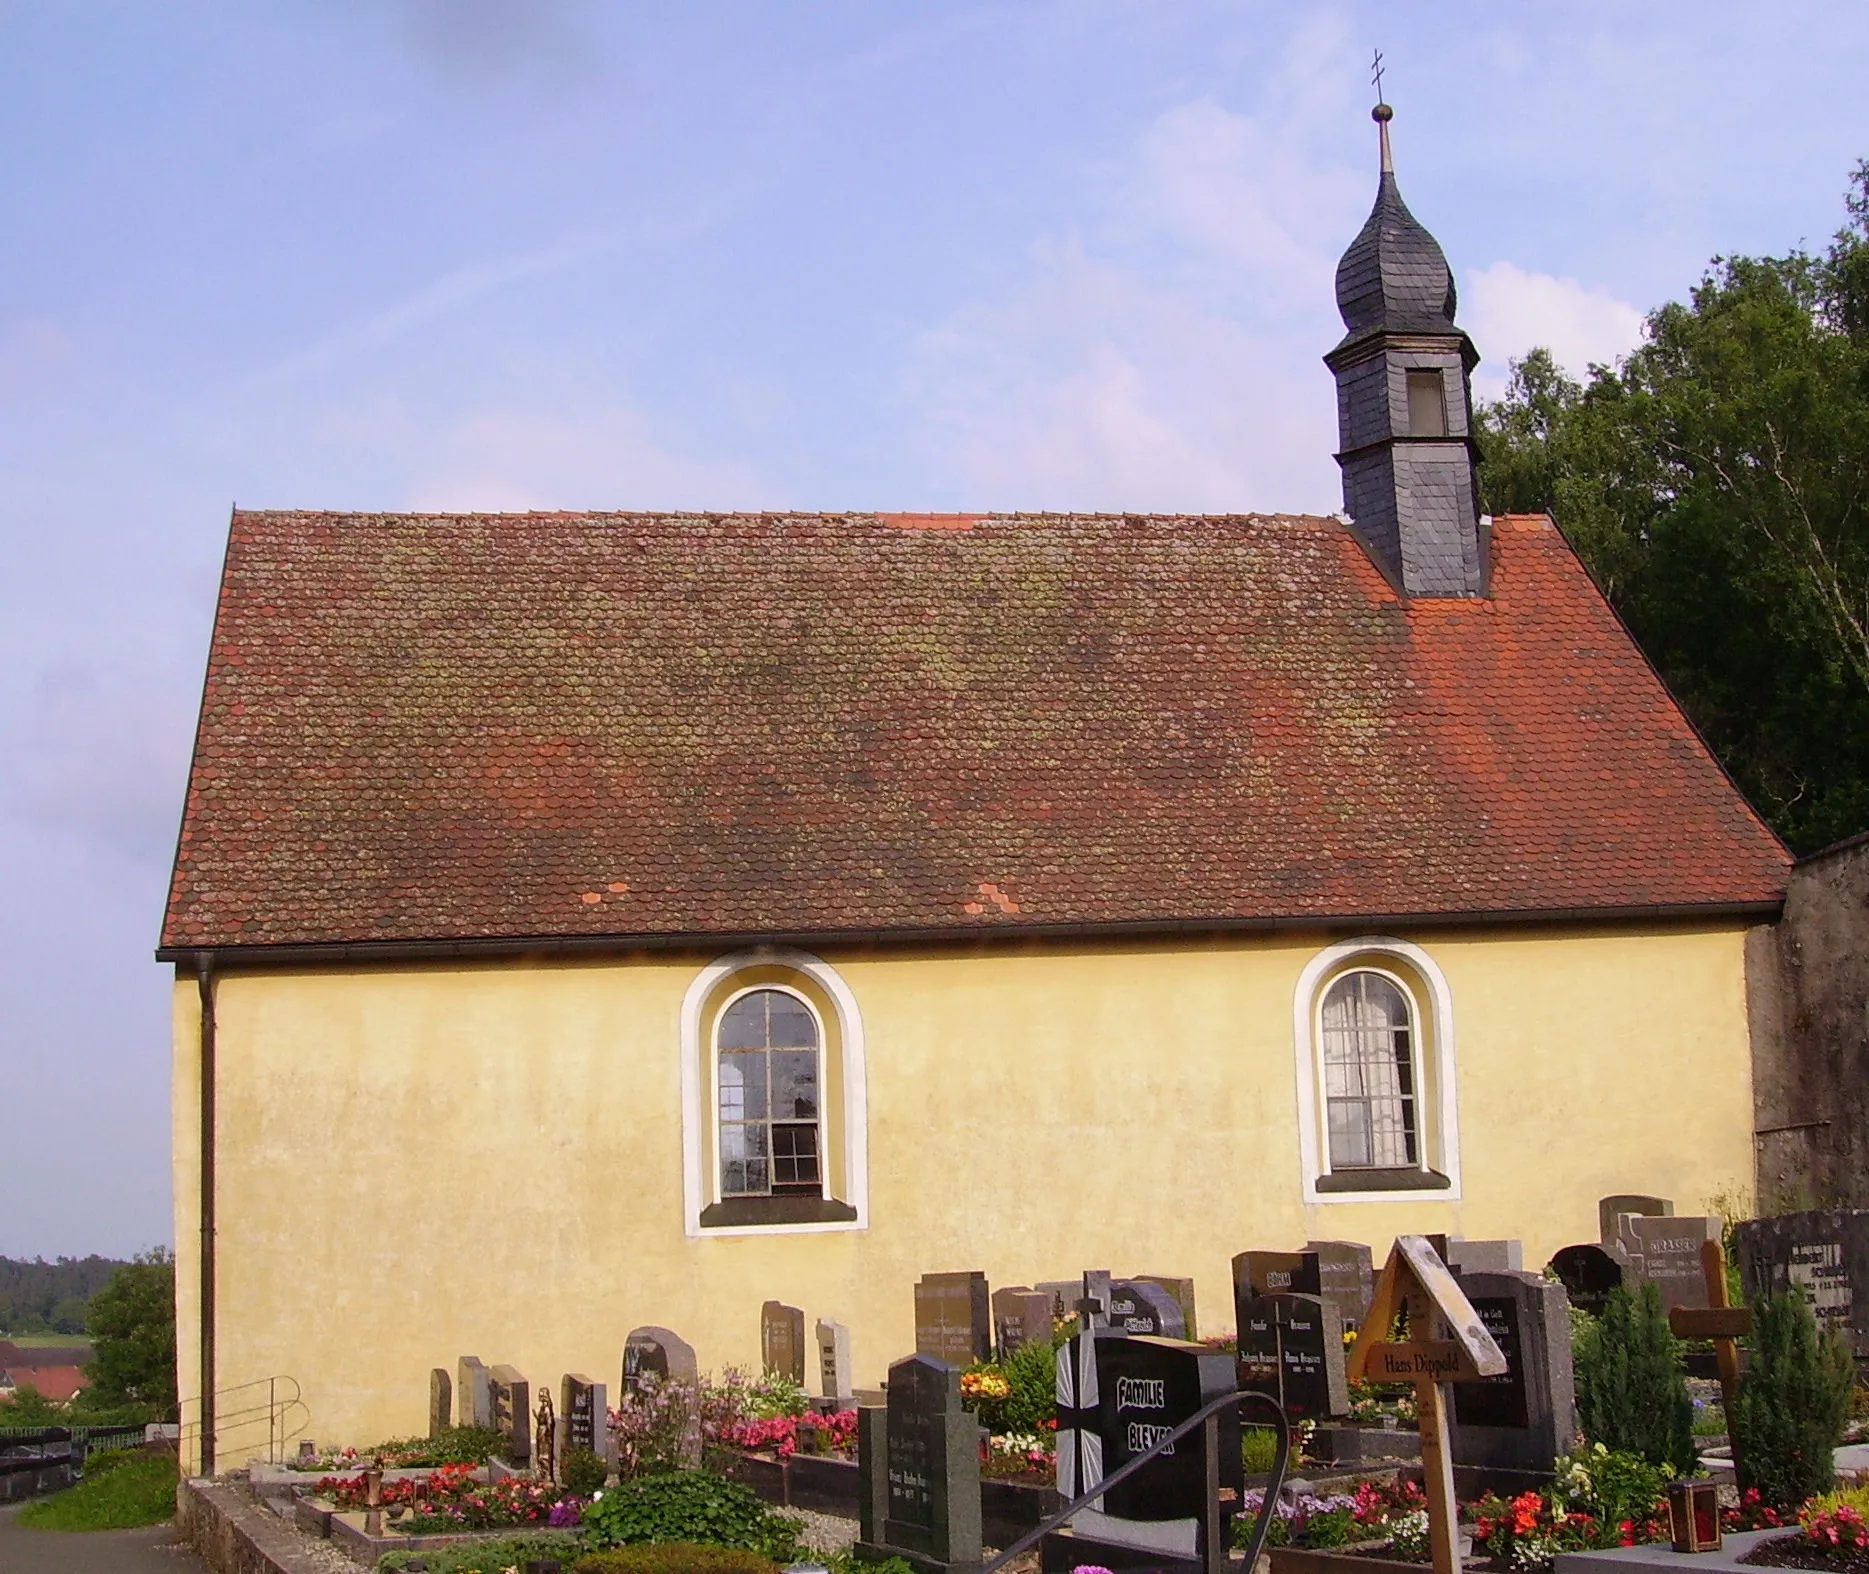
{"x": 1525, "y": 1418}
{"x": 658, "y": 1353}
{"x": 1020, "y": 1317}
{"x": 918, "y": 1469}
{"x": 953, "y": 1318}
{"x": 1486, "y": 1256}
{"x": 473, "y": 1405}
{"x": 584, "y": 1418}
{"x": 1588, "y": 1274}
{"x": 510, "y": 1401}
{"x": 1064, "y": 1293}
{"x": 1291, "y": 1349}
{"x": 1609, "y": 1209}
{"x": 1825, "y": 1253}
{"x": 1142, "y": 1309}
{"x": 834, "y": 1367}
{"x": 440, "y": 1401}
{"x": 1665, "y": 1251}
{"x": 1117, "y": 1397}
{"x": 1276, "y": 1273}
{"x": 1093, "y": 1301}
{"x": 782, "y": 1340}
{"x": 1183, "y": 1292}
{"x": 1346, "y": 1277}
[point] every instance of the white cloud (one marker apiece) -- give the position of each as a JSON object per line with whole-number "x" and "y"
{"x": 1509, "y": 311}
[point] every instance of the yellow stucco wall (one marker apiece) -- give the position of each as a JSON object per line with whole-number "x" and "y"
{"x": 416, "y": 1163}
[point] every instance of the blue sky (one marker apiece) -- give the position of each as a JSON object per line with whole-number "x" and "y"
{"x": 392, "y": 254}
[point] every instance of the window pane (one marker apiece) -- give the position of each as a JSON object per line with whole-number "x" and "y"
{"x": 795, "y": 1155}
{"x": 794, "y": 1084}
{"x": 743, "y": 1024}
{"x": 743, "y": 1082}
{"x": 1368, "y": 1074}
{"x": 791, "y": 1023}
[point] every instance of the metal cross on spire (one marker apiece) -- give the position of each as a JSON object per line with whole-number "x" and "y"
{"x": 1375, "y": 74}
{"x": 1381, "y": 114}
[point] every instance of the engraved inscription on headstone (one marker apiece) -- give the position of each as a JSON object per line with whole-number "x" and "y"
{"x": 1825, "y": 1253}
{"x": 1291, "y": 1349}
{"x": 1276, "y": 1273}
{"x": 953, "y": 1318}
{"x": 1588, "y": 1274}
{"x": 929, "y": 1496}
{"x": 1525, "y": 1418}
{"x": 1020, "y": 1317}
{"x": 1140, "y": 1309}
{"x": 1183, "y": 1292}
{"x": 782, "y": 1340}
{"x": 659, "y": 1353}
{"x": 511, "y": 1402}
{"x": 1346, "y": 1277}
{"x": 834, "y": 1367}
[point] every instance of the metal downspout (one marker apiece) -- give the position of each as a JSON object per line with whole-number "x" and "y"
{"x": 204, "y": 980}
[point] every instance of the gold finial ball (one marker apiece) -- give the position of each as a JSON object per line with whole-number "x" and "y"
{"x": 1382, "y": 112}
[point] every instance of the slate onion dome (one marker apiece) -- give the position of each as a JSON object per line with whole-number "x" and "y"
{"x": 1394, "y": 278}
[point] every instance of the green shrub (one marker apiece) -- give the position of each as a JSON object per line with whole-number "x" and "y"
{"x": 452, "y": 1445}
{"x": 1258, "y": 1449}
{"x": 584, "y": 1472}
{"x": 692, "y": 1506}
{"x": 1612, "y": 1486}
{"x": 774, "y": 1394}
{"x": 1032, "y": 1370}
{"x": 1792, "y": 1403}
{"x": 674, "y": 1557}
{"x": 493, "y": 1556}
{"x": 1631, "y": 1392}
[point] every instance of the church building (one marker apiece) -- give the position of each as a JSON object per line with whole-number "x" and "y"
{"x": 587, "y": 921}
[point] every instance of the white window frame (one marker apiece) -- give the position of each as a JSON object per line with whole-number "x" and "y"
{"x": 713, "y": 1092}
{"x": 1410, "y": 969}
{"x": 700, "y": 1073}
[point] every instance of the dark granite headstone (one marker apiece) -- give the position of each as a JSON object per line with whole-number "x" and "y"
{"x": 583, "y": 1417}
{"x": 1588, "y": 1274}
{"x": 1346, "y": 1277}
{"x": 659, "y": 1353}
{"x": 1291, "y": 1349}
{"x": 1183, "y": 1292}
{"x": 472, "y": 1403}
{"x": 1825, "y": 1253}
{"x": 1117, "y": 1397}
{"x": 1276, "y": 1273}
{"x": 510, "y": 1398}
{"x": 953, "y": 1320}
{"x": 1064, "y": 1293}
{"x": 1142, "y": 1310}
{"x": 1526, "y": 1418}
{"x": 928, "y": 1493}
{"x": 782, "y": 1340}
{"x": 440, "y": 1401}
{"x": 1020, "y": 1317}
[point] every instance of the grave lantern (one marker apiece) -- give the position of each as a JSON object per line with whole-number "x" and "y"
{"x": 1694, "y": 1513}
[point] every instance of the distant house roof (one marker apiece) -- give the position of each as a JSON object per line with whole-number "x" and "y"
{"x": 445, "y": 728}
{"x": 56, "y": 1384}
{"x": 14, "y": 1355}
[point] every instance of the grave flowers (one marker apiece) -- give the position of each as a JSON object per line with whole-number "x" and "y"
{"x": 1837, "y": 1519}
{"x": 779, "y": 1434}
{"x": 452, "y": 1499}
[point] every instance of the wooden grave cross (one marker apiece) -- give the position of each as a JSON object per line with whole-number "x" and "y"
{"x": 1723, "y": 1324}
{"x": 1447, "y": 1343}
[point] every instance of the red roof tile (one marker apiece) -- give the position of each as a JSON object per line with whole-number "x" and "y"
{"x": 442, "y": 727}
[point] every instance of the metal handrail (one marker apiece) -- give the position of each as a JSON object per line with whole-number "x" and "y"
{"x": 282, "y": 1410}
{"x": 1267, "y": 1503}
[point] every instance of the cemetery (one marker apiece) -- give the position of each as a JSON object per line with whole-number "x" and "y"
{"x": 1446, "y": 1407}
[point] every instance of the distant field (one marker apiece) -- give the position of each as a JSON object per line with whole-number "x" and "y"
{"x": 47, "y": 1341}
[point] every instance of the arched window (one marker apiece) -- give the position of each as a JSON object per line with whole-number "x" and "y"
{"x": 774, "y": 1097}
{"x": 1373, "y": 1027}
{"x": 769, "y": 1103}
{"x": 1368, "y": 1031}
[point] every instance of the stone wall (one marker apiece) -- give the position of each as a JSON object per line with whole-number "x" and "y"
{"x": 1808, "y": 989}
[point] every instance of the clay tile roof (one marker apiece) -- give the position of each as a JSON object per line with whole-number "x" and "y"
{"x": 451, "y": 727}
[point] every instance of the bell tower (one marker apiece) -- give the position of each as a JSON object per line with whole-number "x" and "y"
{"x": 1404, "y": 401}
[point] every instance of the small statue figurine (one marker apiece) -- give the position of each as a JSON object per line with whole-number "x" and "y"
{"x": 545, "y": 1462}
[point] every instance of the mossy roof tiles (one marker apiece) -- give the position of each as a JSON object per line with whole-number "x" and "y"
{"x": 462, "y": 727}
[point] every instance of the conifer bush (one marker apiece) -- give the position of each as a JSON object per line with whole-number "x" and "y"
{"x": 1793, "y": 1403}
{"x": 1631, "y": 1389}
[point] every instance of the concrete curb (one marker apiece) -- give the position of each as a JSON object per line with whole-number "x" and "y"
{"x": 234, "y": 1535}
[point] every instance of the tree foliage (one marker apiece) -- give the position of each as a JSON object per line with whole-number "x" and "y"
{"x": 40, "y": 1297}
{"x": 1792, "y": 1404}
{"x": 133, "y": 1330}
{"x": 1631, "y": 1390}
{"x": 1716, "y": 484}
